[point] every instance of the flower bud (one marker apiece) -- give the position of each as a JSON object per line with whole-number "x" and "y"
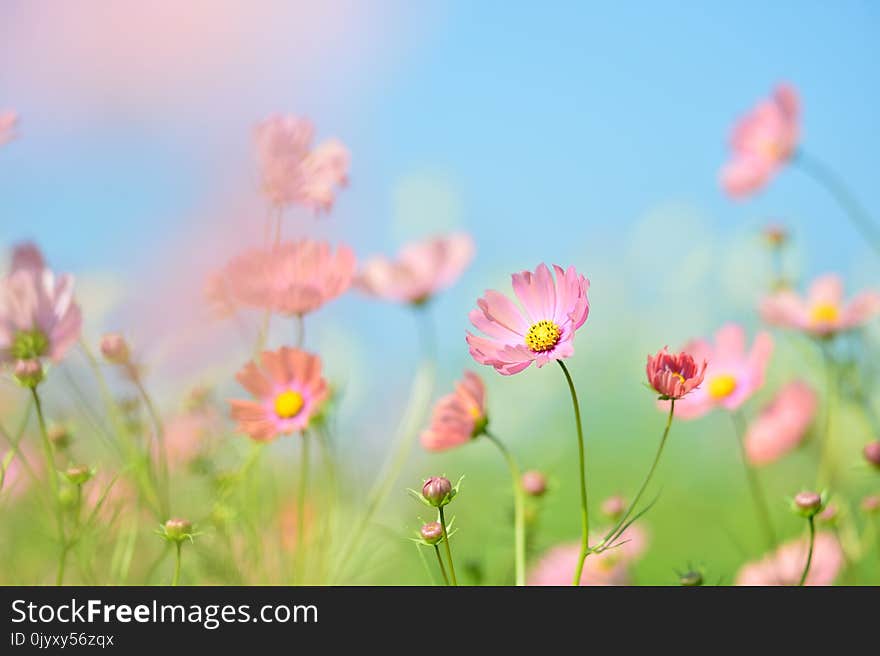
{"x": 28, "y": 373}
{"x": 78, "y": 474}
{"x": 871, "y": 504}
{"x": 115, "y": 349}
{"x": 534, "y": 483}
{"x": 808, "y": 503}
{"x": 178, "y": 530}
{"x": 691, "y": 579}
{"x": 432, "y": 532}
{"x": 437, "y": 491}
{"x": 775, "y": 235}
{"x": 613, "y": 507}
{"x": 829, "y": 515}
{"x": 872, "y": 454}
{"x": 59, "y": 436}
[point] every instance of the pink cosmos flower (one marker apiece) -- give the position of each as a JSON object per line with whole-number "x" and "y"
{"x": 8, "y": 121}
{"x": 732, "y": 373}
{"x": 782, "y": 425}
{"x": 762, "y": 142}
{"x": 289, "y": 390}
{"x": 785, "y": 566}
{"x": 458, "y": 417}
{"x": 544, "y": 331}
{"x": 295, "y": 173}
{"x": 610, "y": 567}
{"x": 420, "y": 270}
{"x": 293, "y": 279}
{"x": 824, "y": 311}
{"x": 674, "y": 375}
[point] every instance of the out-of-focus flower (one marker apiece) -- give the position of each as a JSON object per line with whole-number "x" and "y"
{"x": 295, "y": 173}
{"x": 824, "y": 311}
{"x": 59, "y": 436}
{"x": 829, "y": 515}
{"x": 16, "y": 479}
{"x": 457, "y": 417}
{"x": 610, "y": 567}
{"x": 114, "y": 493}
{"x": 178, "y": 530}
{"x": 27, "y": 257}
{"x": 775, "y": 235}
{"x": 871, "y": 504}
{"x": 29, "y": 373}
{"x": 534, "y": 483}
{"x": 218, "y": 293}
{"x": 732, "y": 374}
{"x": 782, "y": 425}
{"x": 673, "y": 375}
{"x": 8, "y": 121}
{"x": 294, "y": 278}
{"x": 115, "y": 349}
{"x": 187, "y": 433}
{"x": 786, "y": 564}
{"x": 762, "y": 142}
{"x": 808, "y": 503}
{"x": 78, "y": 474}
{"x": 613, "y": 507}
{"x": 288, "y": 388}
{"x": 554, "y": 310}
{"x": 871, "y": 452}
{"x": 690, "y": 579}
{"x": 420, "y": 270}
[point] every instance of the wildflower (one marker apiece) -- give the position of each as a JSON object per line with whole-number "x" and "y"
{"x": 808, "y": 503}
{"x": 59, "y": 436}
{"x": 289, "y": 389}
{"x": 78, "y": 474}
{"x": 178, "y": 530}
{"x": 871, "y": 504}
{"x": 775, "y": 235}
{"x": 420, "y": 270}
{"x": 8, "y": 121}
{"x": 438, "y": 491}
{"x": 613, "y": 507}
{"x": 27, "y": 257}
{"x": 431, "y": 532}
{"x": 534, "y": 483}
{"x": 458, "y": 417}
{"x": 785, "y": 565}
{"x": 115, "y": 349}
{"x": 29, "y": 373}
{"x": 674, "y": 375}
{"x": 544, "y": 331}
{"x": 823, "y": 312}
{"x": 829, "y": 514}
{"x": 871, "y": 452}
{"x": 782, "y": 425}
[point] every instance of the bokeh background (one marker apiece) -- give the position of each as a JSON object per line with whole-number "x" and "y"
{"x": 581, "y": 133}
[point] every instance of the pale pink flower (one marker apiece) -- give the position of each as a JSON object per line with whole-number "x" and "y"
{"x": 186, "y": 434}
{"x": 786, "y": 564}
{"x": 458, "y": 417}
{"x": 733, "y": 374}
{"x": 28, "y": 257}
{"x": 8, "y": 121}
{"x": 419, "y": 271}
{"x": 782, "y": 425}
{"x": 673, "y": 375}
{"x": 610, "y": 567}
{"x": 294, "y": 278}
{"x": 289, "y": 390}
{"x": 542, "y": 332}
{"x": 762, "y": 142}
{"x": 824, "y": 311}
{"x": 295, "y": 173}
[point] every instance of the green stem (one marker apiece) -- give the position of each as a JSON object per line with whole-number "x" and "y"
{"x": 53, "y": 483}
{"x": 159, "y": 428}
{"x": 827, "y": 467}
{"x": 440, "y": 561}
{"x": 299, "y": 553}
{"x": 448, "y": 548}
{"x": 806, "y": 571}
{"x": 585, "y": 513}
{"x": 519, "y": 505}
{"x": 176, "y": 578}
{"x": 755, "y": 489}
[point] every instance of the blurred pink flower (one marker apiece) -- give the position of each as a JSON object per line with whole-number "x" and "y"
{"x": 16, "y": 479}
{"x": 114, "y": 493}
{"x": 610, "y": 567}
{"x": 554, "y": 310}
{"x": 8, "y": 121}
{"x": 219, "y": 296}
{"x": 421, "y": 269}
{"x": 762, "y": 141}
{"x": 824, "y": 311}
{"x": 673, "y": 375}
{"x": 289, "y": 390}
{"x": 781, "y": 425}
{"x": 732, "y": 373}
{"x": 458, "y": 417}
{"x": 785, "y": 566}
{"x": 27, "y": 256}
{"x": 293, "y": 172}
{"x": 187, "y": 433}
{"x": 293, "y": 279}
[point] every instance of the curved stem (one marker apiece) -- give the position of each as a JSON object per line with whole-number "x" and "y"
{"x": 585, "y": 512}
{"x": 440, "y": 561}
{"x": 53, "y": 484}
{"x": 519, "y": 514}
{"x": 176, "y": 578}
{"x": 299, "y": 554}
{"x": 806, "y": 571}
{"x": 448, "y": 548}
{"x": 834, "y": 185}
{"x": 755, "y": 488}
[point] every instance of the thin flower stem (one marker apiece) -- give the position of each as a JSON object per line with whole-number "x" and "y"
{"x": 159, "y": 428}
{"x": 827, "y": 467}
{"x": 519, "y": 506}
{"x": 834, "y": 185}
{"x": 176, "y": 578}
{"x": 812, "y": 522}
{"x": 448, "y": 548}
{"x": 585, "y": 512}
{"x": 440, "y": 561}
{"x": 53, "y": 484}
{"x": 299, "y": 554}
{"x": 300, "y": 330}
{"x": 755, "y": 488}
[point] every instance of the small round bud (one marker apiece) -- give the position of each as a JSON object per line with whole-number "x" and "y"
{"x": 872, "y": 454}
{"x": 808, "y": 503}
{"x": 691, "y": 579}
{"x": 534, "y": 483}
{"x": 60, "y": 437}
{"x": 829, "y": 515}
{"x": 177, "y": 530}
{"x": 871, "y": 504}
{"x": 432, "y": 532}
{"x": 775, "y": 235}
{"x": 437, "y": 490}
{"x": 28, "y": 373}
{"x": 115, "y": 349}
{"x": 613, "y": 507}
{"x": 78, "y": 474}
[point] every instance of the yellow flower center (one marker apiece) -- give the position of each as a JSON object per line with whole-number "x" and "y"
{"x": 825, "y": 313}
{"x": 678, "y": 375}
{"x": 722, "y": 386}
{"x": 543, "y": 336}
{"x": 288, "y": 404}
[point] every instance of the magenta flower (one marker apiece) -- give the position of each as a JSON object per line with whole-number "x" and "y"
{"x": 762, "y": 142}
{"x": 786, "y": 564}
{"x": 458, "y": 417}
{"x": 293, "y": 172}
{"x": 543, "y": 331}
{"x": 782, "y": 425}
{"x": 824, "y": 311}
{"x": 420, "y": 270}
{"x": 289, "y": 390}
{"x": 8, "y": 121}
{"x": 732, "y": 373}
{"x": 673, "y": 375}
